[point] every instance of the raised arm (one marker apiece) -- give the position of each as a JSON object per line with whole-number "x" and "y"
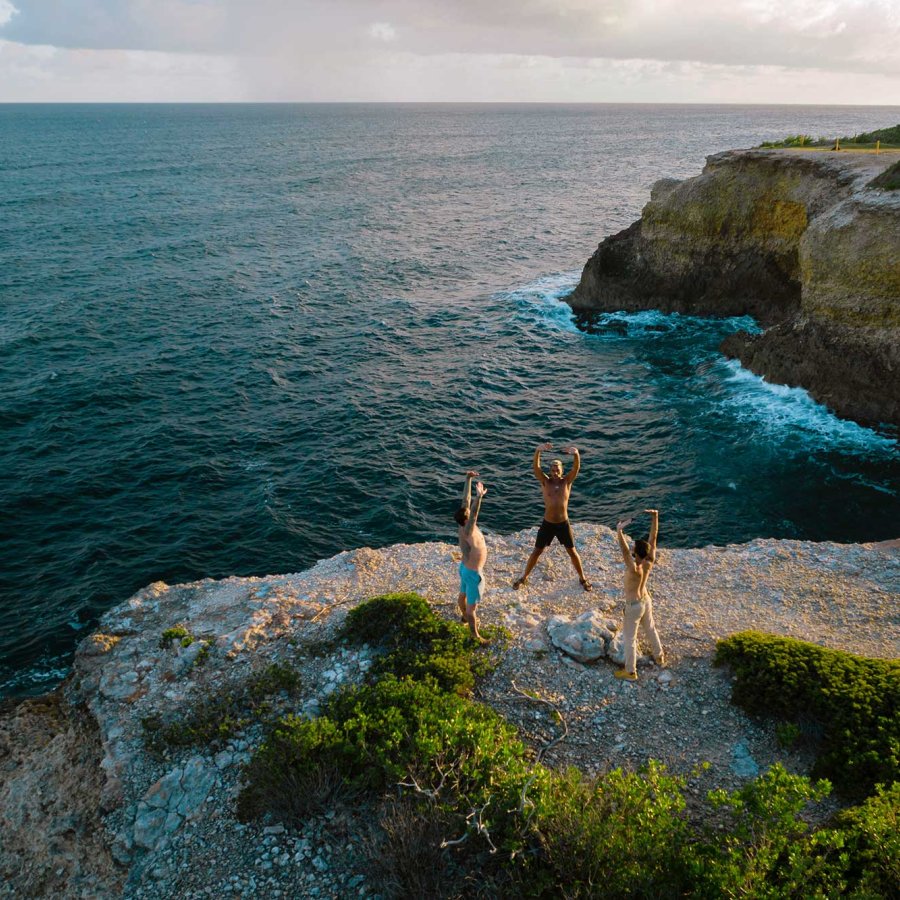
{"x": 576, "y": 463}
{"x": 536, "y": 462}
{"x": 480, "y": 491}
{"x": 623, "y": 546}
{"x": 654, "y": 531}
{"x": 467, "y": 490}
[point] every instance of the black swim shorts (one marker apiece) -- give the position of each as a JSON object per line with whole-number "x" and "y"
{"x": 562, "y": 531}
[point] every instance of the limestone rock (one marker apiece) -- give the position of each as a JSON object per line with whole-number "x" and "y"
{"x": 801, "y": 241}
{"x": 585, "y": 638}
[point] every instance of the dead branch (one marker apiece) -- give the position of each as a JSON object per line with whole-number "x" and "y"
{"x": 542, "y": 752}
{"x": 432, "y": 795}
{"x": 473, "y": 820}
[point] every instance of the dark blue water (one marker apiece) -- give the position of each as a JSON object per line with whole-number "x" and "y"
{"x": 236, "y": 339}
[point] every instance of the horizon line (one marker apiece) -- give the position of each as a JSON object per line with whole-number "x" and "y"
{"x": 436, "y": 103}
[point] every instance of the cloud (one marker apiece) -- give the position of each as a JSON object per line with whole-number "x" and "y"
{"x": 850, "y": 35}
{"x": 41, "y": 73}
{"x": 7, "y": 11}
{"x": 479, "y": 49}
{"x": 383, "y": 31}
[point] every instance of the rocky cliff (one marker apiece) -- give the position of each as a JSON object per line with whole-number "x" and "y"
{"x": 801, "y": 240}
{"x": 90, "y": 808}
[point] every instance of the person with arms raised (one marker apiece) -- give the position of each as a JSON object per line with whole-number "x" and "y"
{"x": 556, "y": 488}
{"x": 474, "y": 555}
{"x": 639, "y": 561}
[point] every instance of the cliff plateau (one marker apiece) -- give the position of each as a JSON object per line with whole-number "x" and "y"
{"x": 802, "y": 241}
{"x": 87, "y": 810}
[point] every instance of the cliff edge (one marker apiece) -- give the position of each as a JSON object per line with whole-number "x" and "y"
{"x": 799, "y": 239}
{"x": 93, "y": 804}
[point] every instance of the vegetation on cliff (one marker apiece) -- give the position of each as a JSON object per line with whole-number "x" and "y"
{"x": 889, "y": 179}
{"x": 888, "y": 137}
{"x": 479, "y": 814}
{"x": 855, "y": 700}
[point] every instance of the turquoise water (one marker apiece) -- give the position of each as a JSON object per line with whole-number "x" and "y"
{"x": 237, "y": 339}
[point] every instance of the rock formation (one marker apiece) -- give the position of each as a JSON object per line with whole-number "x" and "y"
{"x": 801, "y": 240}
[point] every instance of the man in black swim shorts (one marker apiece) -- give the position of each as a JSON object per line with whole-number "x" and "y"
{"x": 556, "y": 489}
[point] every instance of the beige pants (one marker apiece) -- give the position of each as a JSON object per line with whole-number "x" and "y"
{"x": 640, "y": 612}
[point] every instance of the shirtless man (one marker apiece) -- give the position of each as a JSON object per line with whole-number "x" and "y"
{"x": 474, "y": 555}
{"x": 639, "y": 562}
{"x": 556, "y": 488}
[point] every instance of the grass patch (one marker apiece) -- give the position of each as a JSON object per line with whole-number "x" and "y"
{"x": 888, "y": 137}
{"x": 855, "y": 699}
{"x": 213, "y": 720}
{"x": 889, "y": 179}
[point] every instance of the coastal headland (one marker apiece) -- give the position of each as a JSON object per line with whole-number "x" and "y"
{"x": 805, "y": 241}
{"x": 87, "y": 810}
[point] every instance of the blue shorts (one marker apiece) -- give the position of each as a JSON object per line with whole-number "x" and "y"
{"x": 471, "y": 583}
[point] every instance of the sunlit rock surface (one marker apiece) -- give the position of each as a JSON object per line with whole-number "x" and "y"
{"x": 800, "y": 240}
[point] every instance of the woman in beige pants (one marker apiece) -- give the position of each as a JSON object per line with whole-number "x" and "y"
{"x": 639, "y": 561}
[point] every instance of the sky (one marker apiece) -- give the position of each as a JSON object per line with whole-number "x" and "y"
{"x": 685, "y": 51}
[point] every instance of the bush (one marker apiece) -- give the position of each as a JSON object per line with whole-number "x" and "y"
{"x": 855, "y": 699}
{"x": 885, "y": 135}
{"x": 534, "y": 832}
{"x": 762, "y": 822}
{"x": 888, "y": 180}
{"x": 621, "y": 835}
{"x": 405, "y": 850}
{"x": 415, "y": 642}
{"x": 889, "y": 137}
{"x": 176, "y": 633}
{"x": 856, "y": 855}
{"x": 794, "y": 140}
{"x": 382, "y": 734}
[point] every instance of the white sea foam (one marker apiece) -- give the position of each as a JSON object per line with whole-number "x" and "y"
{"x": 540, "y": 301}
{"x": 772, "y": 411}
{"x": 775, "y": 408}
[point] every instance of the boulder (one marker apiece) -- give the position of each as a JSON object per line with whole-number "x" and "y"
{"x": 585, "y": 638}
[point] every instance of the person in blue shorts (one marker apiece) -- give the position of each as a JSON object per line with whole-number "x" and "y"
{"x": 474, "y": 555}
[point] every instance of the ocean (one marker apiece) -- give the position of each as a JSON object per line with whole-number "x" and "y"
{"x": 237, "y": 339}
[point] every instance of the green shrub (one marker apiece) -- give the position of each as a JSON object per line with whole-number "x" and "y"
{"x": 177, "y": 633}
{"x": 889, "y": 138}
{"x": 856, "y": 855}
{"x": 787, "y": 733}
{"x": 621, "y": 835}
{"x": 885, "y": 135}
{"x": 415, "y": 642}
{"x": 762, "y": 823}
{"x": 533, "y": 832}
{"x": 794, "y": 140}
{"x": 214, "y": 719}
{"x": 854, "y": 698}
{"x": 378, "y": 735}
{"x": 888, "y": 180}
